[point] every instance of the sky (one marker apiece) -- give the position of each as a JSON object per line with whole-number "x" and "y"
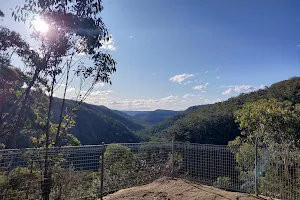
{"x": 173, "y": 54}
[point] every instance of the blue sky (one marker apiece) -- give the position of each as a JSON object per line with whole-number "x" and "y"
{"x": 173, "y": 54}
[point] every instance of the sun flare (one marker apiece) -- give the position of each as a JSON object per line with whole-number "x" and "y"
{"x": 40, "y": 25}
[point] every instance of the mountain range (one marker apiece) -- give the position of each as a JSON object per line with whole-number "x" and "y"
{"x": 212, "y": 123}
{"x": 97, "y": 124}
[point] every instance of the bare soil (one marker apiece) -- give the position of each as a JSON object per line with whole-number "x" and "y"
{"x": 177, "y": 189}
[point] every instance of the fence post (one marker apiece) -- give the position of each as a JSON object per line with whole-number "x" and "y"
{"x": 173, "y": 158}
{"x": 256, "y": 169}
{"x": 102, "y": 170}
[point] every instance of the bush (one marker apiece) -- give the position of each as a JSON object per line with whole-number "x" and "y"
{"x": 119, "y": 167}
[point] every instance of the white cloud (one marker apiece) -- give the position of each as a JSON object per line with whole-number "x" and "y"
{"x": 71, "y": 89}
{"x": 206, "y": 72}
{"x": 207, "y": 100}
{"x": 201, "y": 87}
{"x": 131, "y": 36}
{"x": 188, "y": 95}
{"x": 244, "y": 88}
{"x": 109, "y": 45}
{"x": 138, "y": 104}
{"x": 186, "y": 83}
{"x": 262, "y": 87}
{"x": 217, "y": 69}
{"x": 74, "y": 93}
{"x": 192, "y": 96}
{"x": 98, "y": 85}
{"x": 180, "y": 78}
{"x": 228, "y": 91}
{"x": 216, "y": 100}
{"x": 218, "y": 77}
{"x": 298, "y": 45}
{"x": 170, "y": 98}
{"x": 239, "y": 89}
{"x": 100, "y": 93}
{"x": 169, "y": 102}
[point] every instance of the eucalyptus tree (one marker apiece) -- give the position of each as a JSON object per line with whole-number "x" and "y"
{"x": 74, "y": 27}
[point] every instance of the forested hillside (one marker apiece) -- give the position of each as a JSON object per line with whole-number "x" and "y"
{"x": 154, "y": 132}
{"x": 96, "y": 124}
{"x": 215, "y": 123}
{"x": 156, "y": 116}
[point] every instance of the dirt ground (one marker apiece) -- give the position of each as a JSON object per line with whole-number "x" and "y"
{"x": 178, "y": 189}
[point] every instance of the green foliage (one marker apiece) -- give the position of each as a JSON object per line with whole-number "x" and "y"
{"x": 119, "y": 166}
{"x": 118, "y": 156}
{"x": 273, "y": 125}
{"x": 245, "y": 158}
{"x": 123, "y": 168}
{"x": 271, "y": 122}
{"x": 23, "y": 183}
{"x": 154, "y": 153}
{"x": 159, "y": 130}
{"x": 178, "y": 162}
{"x": 19, "y": 179}
{"x": 67, "y": 183}
{"x": 157, "y": 139}
{"x": 222, "y": 182}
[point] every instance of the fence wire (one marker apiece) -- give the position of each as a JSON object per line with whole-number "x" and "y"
{"x": 78, "y": 172}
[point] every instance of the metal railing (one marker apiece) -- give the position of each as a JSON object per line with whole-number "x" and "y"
{"x": 95, "y": 171}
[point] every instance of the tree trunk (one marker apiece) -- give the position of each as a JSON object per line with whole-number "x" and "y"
{"x": 46, "y": 185}
{"x": 62, "y": 107}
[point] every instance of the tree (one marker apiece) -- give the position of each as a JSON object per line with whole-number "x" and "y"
{"x": 270, "y": 122}
{"x": 74, "y": 28}
{"x": 276, "y": 126}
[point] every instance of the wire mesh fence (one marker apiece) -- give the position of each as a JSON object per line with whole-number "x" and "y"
{"x": 210, "y": 164}
{"x": 279, "y": 173}
{"x": 127, "y": 165}
{"x": 91, "y": 172}
{"x": 71, "y": 172}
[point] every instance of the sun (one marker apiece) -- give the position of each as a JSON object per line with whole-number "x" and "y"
{"x": 40, "y": 25}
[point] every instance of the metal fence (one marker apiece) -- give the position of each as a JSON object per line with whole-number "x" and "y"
{"x": 91, "y": 172}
